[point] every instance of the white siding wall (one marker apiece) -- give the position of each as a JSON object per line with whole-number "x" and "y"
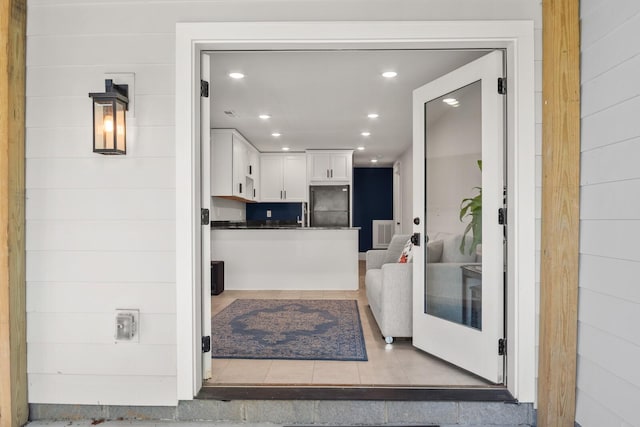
{"x": 609, "y": 309}
{"x": 101, "y": 230}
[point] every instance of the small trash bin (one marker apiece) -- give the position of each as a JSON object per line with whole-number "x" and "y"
{"x": 217, "y": 277}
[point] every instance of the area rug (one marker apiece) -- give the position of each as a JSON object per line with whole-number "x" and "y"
{"x": 288, "y": 329}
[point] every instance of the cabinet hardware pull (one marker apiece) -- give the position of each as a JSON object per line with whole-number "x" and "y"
{"x": 327, "y": 173}
{"x": 240, "y": 185}
{"x": 280, "y": 194}
{"x": 331, "y": 173}
{"x": 285, "y": 194}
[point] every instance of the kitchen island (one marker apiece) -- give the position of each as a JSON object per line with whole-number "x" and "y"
{"x": 289, "y": 258}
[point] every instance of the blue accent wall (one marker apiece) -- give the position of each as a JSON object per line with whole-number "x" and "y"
{"x": 279, "y": 211}
{"x": 372, "y": 199}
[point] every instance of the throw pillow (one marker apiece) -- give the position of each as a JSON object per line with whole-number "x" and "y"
{"x": 395, "y": 248}
{"x": 407, "y": 253}
{"x": 434, "y": 251}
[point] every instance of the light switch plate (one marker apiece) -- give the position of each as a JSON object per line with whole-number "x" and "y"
{"x": 127, "y": 325}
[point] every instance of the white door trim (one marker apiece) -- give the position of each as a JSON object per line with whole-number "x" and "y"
{"x": 514, "y": 36}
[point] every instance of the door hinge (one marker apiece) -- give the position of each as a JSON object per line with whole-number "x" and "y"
{"x": 204, "y": 89}
{"x": 502, "y": 216}
{"x": 502, "y": 85}
{"x": 206, "y": 344}
{"x": 204, "y": 216}
{"x": 502, "y": 346}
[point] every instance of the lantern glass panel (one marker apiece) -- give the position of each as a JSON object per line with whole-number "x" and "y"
{"x": 103, "y": 124}
{"x": 121, "y": 127}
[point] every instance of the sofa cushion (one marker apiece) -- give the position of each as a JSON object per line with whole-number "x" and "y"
{"x": 451, "y": 250}
{"x": 395, "y": 248}
{"x": 434, "y": 251}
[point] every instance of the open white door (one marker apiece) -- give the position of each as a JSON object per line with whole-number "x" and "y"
{"x": 205, "y": 198}
{"x": 458, "y": 304}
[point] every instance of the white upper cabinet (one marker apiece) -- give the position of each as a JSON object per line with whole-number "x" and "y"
{"x": 234, "y": 163}
{"x": 283, "y": 177}
{"x": 330, "y": 167}
{"x": 253, "y": 167}
{"x": 295, "y": 177}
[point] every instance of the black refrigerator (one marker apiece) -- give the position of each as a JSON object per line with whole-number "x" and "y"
{"x": 329, "y": 206}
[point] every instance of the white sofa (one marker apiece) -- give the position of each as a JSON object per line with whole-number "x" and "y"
{"x": 389, "y": 284}
{"x": 389, "y": 289}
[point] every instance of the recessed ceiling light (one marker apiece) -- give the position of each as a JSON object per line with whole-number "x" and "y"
{"x": 285, "y": 148}
{"x": 365, "y": 133}
{"x": 264, "y": 116}
{"x": 374, "y": 160}
{"x": 389, "y": 74}
{"x": 451, "y": 101}
{"x": 373, "y": 115}
{"x": 361, "y": 148}
{"x": 276, "y": 134}
{"x": 236, "y": 75}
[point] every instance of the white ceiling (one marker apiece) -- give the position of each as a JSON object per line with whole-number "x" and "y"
{"x": 320, "y": 99}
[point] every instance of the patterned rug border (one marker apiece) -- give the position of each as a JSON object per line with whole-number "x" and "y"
{"x": 360, "y": 331}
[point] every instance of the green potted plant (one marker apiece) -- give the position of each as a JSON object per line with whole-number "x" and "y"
{"x": 472, "y": 207}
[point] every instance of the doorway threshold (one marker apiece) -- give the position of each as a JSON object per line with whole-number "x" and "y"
{"x": 412, "y": 393}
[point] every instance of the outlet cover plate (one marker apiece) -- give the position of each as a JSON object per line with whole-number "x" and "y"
{"x": 127, "y": 325}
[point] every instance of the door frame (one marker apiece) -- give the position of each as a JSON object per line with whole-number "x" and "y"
{"x": 516, "y": 37}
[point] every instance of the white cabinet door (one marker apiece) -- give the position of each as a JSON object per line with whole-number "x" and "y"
{"x": 330, "y": 167}
{"x": 271, "y": 181}
{"x": 239, "y": 167}
{"x": 320, "y": 165}
{"x": 295, "y": 178}
{"x": 283, "y": 177}
{"x": 253, "y": 167}
{"x": 221, "y": 163}
{"x": 340, "y": 167}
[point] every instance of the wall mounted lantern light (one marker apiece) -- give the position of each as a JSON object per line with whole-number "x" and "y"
{"x": 110, "y": 119}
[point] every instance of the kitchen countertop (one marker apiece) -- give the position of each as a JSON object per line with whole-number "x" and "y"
{"x": 275, "y": 225}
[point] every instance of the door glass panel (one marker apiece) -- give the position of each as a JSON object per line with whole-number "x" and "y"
{"x": 453, "y": 206}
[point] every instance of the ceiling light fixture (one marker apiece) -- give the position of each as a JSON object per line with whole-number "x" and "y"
{"x": 451, "y": 101}
{"x": 373, "y": 116}
{"x": 365, "y": 133}
{"x": 264, "y": 116}
{"x": 285, "y": 148}
{"x": 276, "y": 134}
{"x": 374, "y": 160}
{"x": 236, "y": 75}
{"x": 389, "y": 74}
{"x": 361, "y": 148}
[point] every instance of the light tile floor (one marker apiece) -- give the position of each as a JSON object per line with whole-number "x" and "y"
{"x": 397, "y": 364}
